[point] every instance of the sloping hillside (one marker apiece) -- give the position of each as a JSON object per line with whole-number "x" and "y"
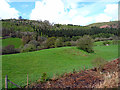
{"x": 52, "y": 61}
{"x": 114, "y": 23}
{"x": 86, "y": 79}
{"x": 16, "y": 28}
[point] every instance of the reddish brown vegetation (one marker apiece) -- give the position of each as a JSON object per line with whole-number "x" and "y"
{"x": 86, "y": 79}
{"x": 109, "y": 26}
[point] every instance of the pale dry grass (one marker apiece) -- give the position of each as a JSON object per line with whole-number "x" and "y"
{"x": 111, "y": 80}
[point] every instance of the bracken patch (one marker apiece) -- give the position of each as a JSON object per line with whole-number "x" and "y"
{"x": 86, "y": 79}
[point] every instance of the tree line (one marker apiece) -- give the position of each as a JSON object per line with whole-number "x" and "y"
{"x": 37, "y": 35}
{"x": 45, "y": 28}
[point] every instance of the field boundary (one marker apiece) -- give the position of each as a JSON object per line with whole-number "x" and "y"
{"x": 7, "y": 80}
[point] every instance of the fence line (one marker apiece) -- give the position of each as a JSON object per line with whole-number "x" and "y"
{"x": 6, "y": 83}
{"x": 14, "y": 84}
{"x": 27, "y": 80}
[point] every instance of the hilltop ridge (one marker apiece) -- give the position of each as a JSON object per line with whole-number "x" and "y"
{"x": 111, "y": 24}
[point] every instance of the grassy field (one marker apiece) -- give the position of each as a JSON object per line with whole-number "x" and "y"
{"x": 11, "y": 41}
{"x": 99, "y": 43}
{"x": 52, "y": 61}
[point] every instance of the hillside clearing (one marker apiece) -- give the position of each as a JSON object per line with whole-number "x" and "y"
{"x": 11, "y": 41}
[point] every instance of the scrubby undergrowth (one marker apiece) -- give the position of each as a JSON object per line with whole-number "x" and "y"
{"x": 106, "y": 78}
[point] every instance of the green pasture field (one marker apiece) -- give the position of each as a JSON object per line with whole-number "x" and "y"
{"x": 11, "y": 41}
{"x": 99, "y": 43}
{"x": 52, "y": 61}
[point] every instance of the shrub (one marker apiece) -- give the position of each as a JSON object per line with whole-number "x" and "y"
{"x": 26, "y": 39}
{"x": 58, "y": 42}
{"x": 115, "y": 40}
{"x": 28, "y": 48}
{"x": 86, "y": 43}
{"x": 41, "y": 39}
{"x": 18, "y": 34}
{"x": 44, "y": 77}
{"x": 106, "y": 42}
{"x": 34, "y": 42}
{"x": 50, "y": 43}
{"x": 99, "y": 63}
{"x": 64, "y": 39}
{"x": 73, "y": 43}
{"x": 67, "y": 43}
{"x": 75, "y": 38}
{"x": 10, "y": 49}
{"x": 102, "y": 39}
{"x": 41, "y": 47}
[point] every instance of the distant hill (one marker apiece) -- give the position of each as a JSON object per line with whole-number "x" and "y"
{"x": 113, "y": 24}
{"x": 20, "y": 27}
{"x": 31, "y": 25}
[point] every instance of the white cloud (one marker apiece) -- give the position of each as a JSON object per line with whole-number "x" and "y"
{"x": 72, "y": 12}
{"x": 110, "y": 13}
{"x": 103, "y": 18}
{"x": 56, "y": 11}
{"x": 112, "y": 10}
{"x": 71, "y": 3}
{"x": 6, "y": 11}
{"x": 80, "y": 20}
{"x": 51, "y": 10}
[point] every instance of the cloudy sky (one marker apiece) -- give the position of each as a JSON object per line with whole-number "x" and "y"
{"x": 77, "y": 12}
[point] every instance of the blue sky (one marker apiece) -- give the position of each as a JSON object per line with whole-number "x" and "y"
{"x": 24, "y": 8}
{"x": 78, "y": 12}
